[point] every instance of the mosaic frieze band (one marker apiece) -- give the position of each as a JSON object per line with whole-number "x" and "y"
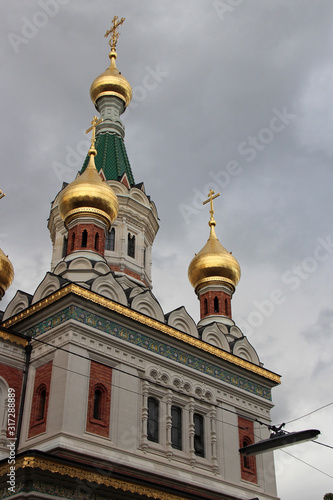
{"x": 163, "y": 349}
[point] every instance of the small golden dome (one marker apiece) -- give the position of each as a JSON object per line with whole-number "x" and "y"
{"x": 213, "y": 264}
{"x": 6, "y": 273}
{"x": 88, "y": 195}
{"x": 111, "y": 82}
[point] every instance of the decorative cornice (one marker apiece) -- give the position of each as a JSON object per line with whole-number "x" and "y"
{"x": 13, "y": 338}
{"x": 145, "y": 320}
{"x": 109, "y": 326}
{"x": 92, "y": 477}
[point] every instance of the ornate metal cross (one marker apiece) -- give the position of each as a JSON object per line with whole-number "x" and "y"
{"x": 114, "y": 32}
{"x": 210, "y": 199}
{"x": 2, "y": 194}
{"x": 95, "y": 121}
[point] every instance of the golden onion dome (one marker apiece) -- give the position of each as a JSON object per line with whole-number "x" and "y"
{"x": 213, "y": 264}
{"x": 111, "y": 82}
{"x": 6, "y": 273}
{"x": 88, "y": 195}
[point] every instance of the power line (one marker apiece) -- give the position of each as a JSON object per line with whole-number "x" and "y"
{"x": 306, "y": 463}
{"x": 323, "y": 444}
{"x": 310, "y": 413}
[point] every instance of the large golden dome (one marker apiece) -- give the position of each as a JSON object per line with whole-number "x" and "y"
{"x": 213, "y": 264}
{"x": 88, "y": 194}
{"x": 111, "y": 82}
{"x": 6, "y": 273}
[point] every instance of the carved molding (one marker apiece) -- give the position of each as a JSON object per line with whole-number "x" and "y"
{"x": 140, "y": 318}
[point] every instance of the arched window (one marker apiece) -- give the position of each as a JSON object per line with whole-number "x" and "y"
{"x": 246, "y": 460}
{"x": 41, "y": 403}
{"x": 64, "y": 246}
{"x": 216, "y": 305}
{"x": 110, "y": 240}
{"x": 84, "y": 239}
{"x": 144, "y": 257}
{"x": 97, "y": 242}
{"x": 176, "y": 427}
{"x": 199, "y": 444}
{"x": 205, "y": 306}
{"x": 131, "y": 245}
{"x": 152, "y": 425}
{"x": 98, "y": 400}
{"x": 73, "y": 242}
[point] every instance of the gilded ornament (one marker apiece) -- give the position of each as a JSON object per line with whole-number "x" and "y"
{"x": 93, "y": 477}
{"x": 112, "y": 82}
{"x": 213, "y": 264}
{"x": 6, "y": 268}
{"x": 141, "y": 318}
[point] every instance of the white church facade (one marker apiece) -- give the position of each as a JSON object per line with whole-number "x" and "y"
{"x": 114, "y": 397}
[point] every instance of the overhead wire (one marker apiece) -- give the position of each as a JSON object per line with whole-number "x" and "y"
{"x": 306, "y": 463}
{"x": 310, "y": 413}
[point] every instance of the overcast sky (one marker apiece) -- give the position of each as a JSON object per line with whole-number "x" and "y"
{"x": 234, "y": 95}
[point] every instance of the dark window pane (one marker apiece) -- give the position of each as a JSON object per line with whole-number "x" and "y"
{"x": 131, "y": 246}
{"x": 41, "y": 404}
{"x": 84, "y": 239}
{"x": 176, "y": 428}
{"x": 152, "y": 425}
{"x": 110, "y": 240}
{"x": 97, "y": 404}
{"x": 216, "y": 305}
{"x": 64, "y": 247}
{"x": 199, "y": 448}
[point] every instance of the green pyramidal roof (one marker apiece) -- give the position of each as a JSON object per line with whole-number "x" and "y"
{"x": 111, "y": 157}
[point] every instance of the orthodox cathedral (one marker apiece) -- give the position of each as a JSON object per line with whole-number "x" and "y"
{"x": 103, "y": 395}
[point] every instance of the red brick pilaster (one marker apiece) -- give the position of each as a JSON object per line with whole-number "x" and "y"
{"x": 99, "y": 399}
{"x": 40, "y": 399}
{"x": 246, "y": 437}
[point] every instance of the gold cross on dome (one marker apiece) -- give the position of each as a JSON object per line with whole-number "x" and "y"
{"x": 2, "y": 194}
{"x": 114, "y": 32}
{"x": 210, "y": 199}
{"x": 95, "y": 121}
